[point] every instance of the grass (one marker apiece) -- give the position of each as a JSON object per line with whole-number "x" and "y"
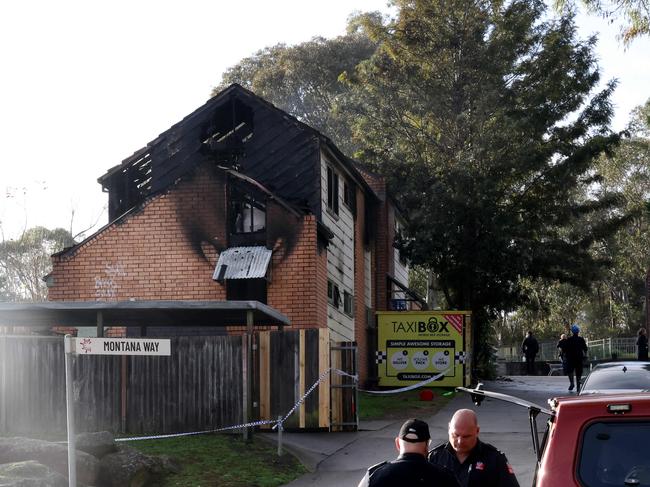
{"x": 224, "y": 461}
{"x": 402, "y": 405}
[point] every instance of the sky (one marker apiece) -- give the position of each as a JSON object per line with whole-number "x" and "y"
{"x": 85, "y": 84}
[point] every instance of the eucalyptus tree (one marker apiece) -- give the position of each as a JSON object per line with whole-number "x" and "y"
{"x": 303, "y": 79}
{"x": 634, "y": 15}
{"x": 484, "y": 117}
{"x": 26, "y": 260}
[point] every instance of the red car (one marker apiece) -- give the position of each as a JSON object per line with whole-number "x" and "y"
{"x": 600, "y": 440}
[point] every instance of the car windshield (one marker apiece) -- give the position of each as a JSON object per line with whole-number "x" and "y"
{"x": 611, "y": 455}
{"x": 617, "y": 379}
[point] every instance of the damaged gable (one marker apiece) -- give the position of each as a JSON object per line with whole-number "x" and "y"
{"x": 236, "y": 129}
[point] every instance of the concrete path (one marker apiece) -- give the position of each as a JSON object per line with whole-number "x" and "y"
{"x": 341, "y": 459}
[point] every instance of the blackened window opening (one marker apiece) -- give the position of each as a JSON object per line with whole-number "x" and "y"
{"x": 332, "y": 190}
{"x": 246, "y": 290}
{"x": 247, "y": 213}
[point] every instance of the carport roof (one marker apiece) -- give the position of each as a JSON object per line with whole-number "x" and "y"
{"x": 139, "y": 313}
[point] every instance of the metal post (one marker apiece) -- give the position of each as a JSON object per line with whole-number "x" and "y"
{"x": 245, "y": 381}
{"x": 100, "y": 324}
{"x": 72, "y": 462}
{"x": 280, "y": 436}
{"x": 249, "y": 367}
{"x": 3, "y": 384}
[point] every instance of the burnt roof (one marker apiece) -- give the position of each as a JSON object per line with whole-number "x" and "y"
{"x": 235, "y": 128}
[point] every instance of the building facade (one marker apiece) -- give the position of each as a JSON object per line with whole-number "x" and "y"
{"x": 241, "y": 201}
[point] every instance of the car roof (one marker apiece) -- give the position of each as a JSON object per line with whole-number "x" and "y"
{"x": 642, "y": 398}
{"x": 614, "y": 366}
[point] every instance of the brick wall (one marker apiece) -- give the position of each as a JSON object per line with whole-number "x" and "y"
{"x": 298, "y": 286}
{"x": 169, "y": 249}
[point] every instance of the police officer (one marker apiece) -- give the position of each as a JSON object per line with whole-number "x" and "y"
{"x": 475, "y": 464}
{"x": 410, "y": 468}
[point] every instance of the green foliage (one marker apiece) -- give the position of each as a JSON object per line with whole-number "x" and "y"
{"x": 614, "y": 304}
{"x": 224, "y": 460}
{"x": 25, "y": 261}
{"x": 484, "y": 119}
{"x": 634, "y": 14}
{"x": 303, "y": 80}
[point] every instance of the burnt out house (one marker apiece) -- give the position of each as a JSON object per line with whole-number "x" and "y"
{"x": 242, "y": 201}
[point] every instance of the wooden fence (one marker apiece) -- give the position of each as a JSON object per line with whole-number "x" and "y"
{"x": 199, "y": 387}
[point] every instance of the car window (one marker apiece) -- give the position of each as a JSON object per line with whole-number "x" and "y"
{"x": 632, "y": 379}
{"x": 612, "y": 454}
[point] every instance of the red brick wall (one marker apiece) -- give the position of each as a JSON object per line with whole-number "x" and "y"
{"x": 298, "y": 286}
{"x": 168, "y": 250}
{"x": 164, "y": 251}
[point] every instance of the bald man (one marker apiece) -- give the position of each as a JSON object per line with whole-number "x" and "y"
{"x": 476, "y": 464}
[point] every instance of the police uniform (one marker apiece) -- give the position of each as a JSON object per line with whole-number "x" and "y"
{"x": 484, "y": 467}
{"x": 411, "y": 467}
{"x": 408, "y": 469}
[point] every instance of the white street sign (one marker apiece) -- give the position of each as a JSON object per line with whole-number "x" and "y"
{"x": 122, "y": 346}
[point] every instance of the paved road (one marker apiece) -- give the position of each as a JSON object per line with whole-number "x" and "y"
{"x": 341, "y": 459}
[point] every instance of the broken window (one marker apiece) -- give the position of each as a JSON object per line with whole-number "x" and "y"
{"x": 247, "y": 213}
{"x": 349, "y": 195}
{"x": 333, "y": 294}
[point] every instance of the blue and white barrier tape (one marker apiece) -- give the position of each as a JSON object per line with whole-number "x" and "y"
{"x": 411, "y": 387}
{"x": 276, "y": 423}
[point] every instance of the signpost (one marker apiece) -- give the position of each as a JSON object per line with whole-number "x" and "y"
{"x": 100, "y": 346}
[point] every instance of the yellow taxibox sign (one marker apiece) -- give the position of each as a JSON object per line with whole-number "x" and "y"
{"x": 414, "y": 346}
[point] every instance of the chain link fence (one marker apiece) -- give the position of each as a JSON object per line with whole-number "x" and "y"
{"x": 601, "y": 349}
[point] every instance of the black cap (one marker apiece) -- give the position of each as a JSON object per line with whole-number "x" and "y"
{"x": 414, "y": 431}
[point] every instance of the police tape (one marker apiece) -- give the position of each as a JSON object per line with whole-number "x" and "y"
{"x": 275, "y": 422}
{"x": 204, "y": 432}
{"x": 411, "y": 387}
{"x": 321, "y": 378}
{"x": 280, "y": 422}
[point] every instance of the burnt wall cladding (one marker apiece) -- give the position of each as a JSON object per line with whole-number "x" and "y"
{"x": 360, "y": 290}
{"x": 152, "y": 254}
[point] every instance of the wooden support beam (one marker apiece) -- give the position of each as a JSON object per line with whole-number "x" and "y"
{"x": 265, "y": 376}
{"x": 324, "y": 386}
{"x": 303, "y": 373}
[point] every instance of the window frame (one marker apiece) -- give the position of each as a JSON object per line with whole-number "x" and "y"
{"x": 332, "y": 190}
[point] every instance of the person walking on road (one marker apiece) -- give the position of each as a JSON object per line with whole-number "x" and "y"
{"x": 560, "y": 344}
{"x": 575, "y": 350}
{"x": 530, "y": 347}
{"x": 642, "y": 345}
{"x": 410, "y": 468}
{"x": 476, "y": 464}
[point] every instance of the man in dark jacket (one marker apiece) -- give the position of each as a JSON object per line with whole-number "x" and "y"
{"x": 574, "y": 349}
{"x": 642, "y": 345}
{"x": 476, "y": 464}
{"x": 411, "y": 467}
{"x": 530, "y": 347}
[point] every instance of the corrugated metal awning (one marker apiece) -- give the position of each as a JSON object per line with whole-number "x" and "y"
{"x": 242, "y": 263}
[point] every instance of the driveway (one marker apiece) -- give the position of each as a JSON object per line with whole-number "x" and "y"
{"x": 341, "y": 459}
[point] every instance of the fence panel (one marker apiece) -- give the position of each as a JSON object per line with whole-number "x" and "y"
{"x": 32, "y": 385}
{"x": 199, "y": 387}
